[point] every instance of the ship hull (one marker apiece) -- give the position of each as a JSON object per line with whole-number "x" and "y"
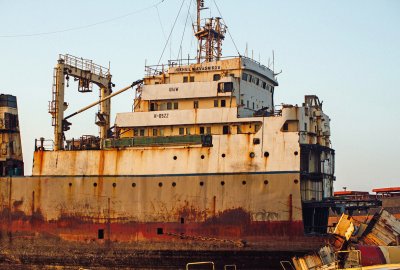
{"x": 153, "y": 221}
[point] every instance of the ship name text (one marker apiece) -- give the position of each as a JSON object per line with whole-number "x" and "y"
{"x": 197, "y": 68}
{"x": 161, "y": 115}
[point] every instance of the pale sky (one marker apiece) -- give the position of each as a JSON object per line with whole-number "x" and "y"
{"x": 346, "y": 52}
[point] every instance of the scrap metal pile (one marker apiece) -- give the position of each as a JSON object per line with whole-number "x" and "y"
{"x": 356, "y": 244}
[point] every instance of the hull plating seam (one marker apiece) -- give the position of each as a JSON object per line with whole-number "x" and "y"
{"x": 169, "y": 175}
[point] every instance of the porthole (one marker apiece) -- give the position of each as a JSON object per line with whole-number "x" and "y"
{"x": 296, "y": 153}
{"x": 296, "y": 181}
{"x": 133, "y": 184}
{"x": 201, "y": 183}
{"x": 175, "y": 157}
{"x": 243, "y": 182}
{"x": 114, "y": 184}
{"x": 202, "y": 157}
{"x": 265, "y": 182}
{"x": 173, "y": 184}
{"x": 95, "y": 184}
{"x": 70, "y": 184}
{"x": 223, "y": 155}
{"x": 222, "y": 183}
{"x": 160, "y": 184}
{"x": 252, "y": 155}
{"x": 266, "y": 154}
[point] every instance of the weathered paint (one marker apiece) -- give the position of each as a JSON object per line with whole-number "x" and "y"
{"x": 207, "y": 218}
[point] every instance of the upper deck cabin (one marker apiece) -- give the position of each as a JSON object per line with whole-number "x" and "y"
{"x": 200, "y": 98}
{"x": 238, "y": 82}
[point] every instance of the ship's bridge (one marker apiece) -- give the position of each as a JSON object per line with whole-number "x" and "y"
{"x": 237, "y": 82}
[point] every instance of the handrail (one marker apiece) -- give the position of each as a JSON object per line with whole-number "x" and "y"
{"x": 150, "y": 69}
{"x": 200, "y": 263}
{"x": 84, "y": 64}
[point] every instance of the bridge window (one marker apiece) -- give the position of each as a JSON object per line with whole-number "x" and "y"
{"x": 181, "y": 131}
{"x": 225, "y": 87}
{"x": 250, "y": 78}
{"x": 175, "y": 105}
{"x": 141, "y": 132}
{"x": 191, "y": 78}
{"x": 201, "y": 130}
{"x": 244, "y": 76}
{"x": 169, "y": 105}
{"x": 264, "y": 85}
{"x": 215, "y": 102}
{"x": 185, "y": 79}
{"x": 216, "y": 77}
{"x": 152, "y": 106}
{"x": 223, "y": 103}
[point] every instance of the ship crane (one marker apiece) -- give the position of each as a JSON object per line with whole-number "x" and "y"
{"x": 87, "y": 73}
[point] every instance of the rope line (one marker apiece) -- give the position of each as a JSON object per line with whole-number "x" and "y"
{"x": 83, "y": 26}
{"x": 229, "y": 33}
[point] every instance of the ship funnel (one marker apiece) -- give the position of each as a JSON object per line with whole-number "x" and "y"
{"x": 11, "y": 161}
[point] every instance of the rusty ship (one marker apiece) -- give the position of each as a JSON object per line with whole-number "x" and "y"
{"x": 205, "y": 166}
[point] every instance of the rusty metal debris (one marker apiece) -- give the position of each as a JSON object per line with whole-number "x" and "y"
{"x": 355, "y": 245}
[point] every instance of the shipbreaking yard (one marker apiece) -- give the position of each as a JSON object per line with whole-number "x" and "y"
{"x": 199, "y": 165}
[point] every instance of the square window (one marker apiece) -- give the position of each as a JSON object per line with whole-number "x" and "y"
{"x": 216, "y": 77}
{"x": 215, "y": 102}
{"x": 161, "y": 131}
{"x": 185, "y": 79}
{"x": 154, "y": 132}
{"x": 100, "y": 234}
{"x": 169, "y": 105}
{"x": 223, "y": 103}
{"x": 244, "y": 76}
{"x": 175, "y": 105}
{"x": 228, "y": 87}
{"x": 285, "y": 127}
{"x": 187, "y": 131}
{"x": 135, "y": 132}
{"x": 191, "y": 78}
{"x": 225, "y": 130}
{"x": 201, "y": 130}
{"x": 196, "y": 104}
{"x": 141, "y": 132}
{"x": 152, "y": 106}
{"x": 208, "y": 130}
{"x": 181, "y": 131}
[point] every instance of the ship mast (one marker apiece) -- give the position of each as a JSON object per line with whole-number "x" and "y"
{"x": 209, "y": 35}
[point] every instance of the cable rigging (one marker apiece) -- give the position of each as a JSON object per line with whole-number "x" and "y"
{"x": 229, "y": 33}
{"x": 169, "y": 36}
